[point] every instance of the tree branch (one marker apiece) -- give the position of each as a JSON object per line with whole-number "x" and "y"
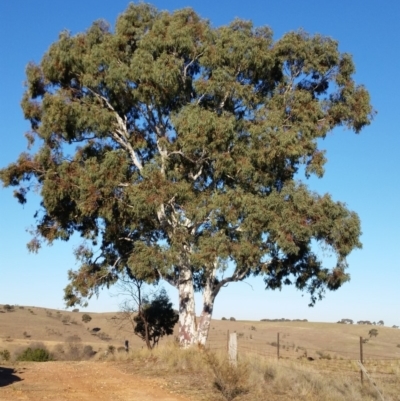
{"x": 121, "y": 135}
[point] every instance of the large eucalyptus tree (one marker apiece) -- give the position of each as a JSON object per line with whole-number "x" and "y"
{"x": 175, "y": 150}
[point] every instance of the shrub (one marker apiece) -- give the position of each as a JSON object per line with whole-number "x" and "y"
{"x": 8, "y": 308}
{"x": 270, "y": 373}
{"x": 58, "y": 352}
{"x": 53, "y": 332}
{"x": 323, "y": 355}
{"x": 104, "y": 336}
{"x": 74, "y": 338}
{"x": 34, "y": 355}
{"x": 232, "y": 319}
{"x": 230, "y": 380}
{"x": 88, "y": 351}
{"x": 75, "y": 310}
{"x": 66, "y": 319}
{"x": 73, "y": 351}
{"x": 5, "y": 355}
{"x": 86, "y": 318}
{"x": 224, "y": 318}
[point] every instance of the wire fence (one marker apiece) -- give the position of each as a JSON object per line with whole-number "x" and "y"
{"x": 331, "y": 356}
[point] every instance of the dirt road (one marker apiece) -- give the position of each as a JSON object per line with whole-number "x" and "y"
{"x": 79, "y": 381}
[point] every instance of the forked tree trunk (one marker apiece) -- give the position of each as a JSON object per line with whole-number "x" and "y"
{"x": 187, "y": 312}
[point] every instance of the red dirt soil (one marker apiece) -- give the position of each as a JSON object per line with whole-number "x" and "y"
{"x": 79, "y": 381}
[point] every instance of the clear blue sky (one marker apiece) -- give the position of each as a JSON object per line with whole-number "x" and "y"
{"x": 362, "y": 170}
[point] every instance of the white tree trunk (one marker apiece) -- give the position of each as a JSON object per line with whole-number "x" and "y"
{"x": 205, "y": 317}
{"x": 187, "y": 311}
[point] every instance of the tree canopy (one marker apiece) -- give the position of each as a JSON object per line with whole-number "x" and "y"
{"x": 175, "y": 149}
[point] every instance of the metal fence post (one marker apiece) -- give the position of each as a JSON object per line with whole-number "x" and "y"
{"x": 361, "y": 360}
{"x": 277, "y": 347}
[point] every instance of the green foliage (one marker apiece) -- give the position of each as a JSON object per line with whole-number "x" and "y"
{"x": 155, "y": 319}
{"x": 86, "y": 318}
{"x": 5, "y": 355}
{"x": 34, "y": 355}
{"x": 179, "y": 146}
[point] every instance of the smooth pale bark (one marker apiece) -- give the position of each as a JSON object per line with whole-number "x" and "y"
{"x": 187, "y": 312}
{"x": 206, "y": 315}
{"x": 189, "y": 332}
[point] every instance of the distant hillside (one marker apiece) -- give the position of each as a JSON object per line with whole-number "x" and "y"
{"x": 21, "y": 326}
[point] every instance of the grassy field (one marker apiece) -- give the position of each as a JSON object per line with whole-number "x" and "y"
{"x": 318, "y": 361}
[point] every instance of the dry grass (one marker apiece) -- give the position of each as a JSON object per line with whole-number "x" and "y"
{"x": 205, "y": 375}
{"x": 332, "y": 375}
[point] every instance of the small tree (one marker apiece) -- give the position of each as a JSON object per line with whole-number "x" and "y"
{"x": 373, "y": 333}
{"x": 150, "y": 315}
{"x": 156, "y": 319}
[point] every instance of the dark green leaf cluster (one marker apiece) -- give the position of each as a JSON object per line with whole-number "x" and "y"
{"x": 169, "y": 144}
{"x": 156, "y": 319}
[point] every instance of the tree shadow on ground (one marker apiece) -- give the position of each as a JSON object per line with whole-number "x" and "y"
{"x": 7, "y": 376}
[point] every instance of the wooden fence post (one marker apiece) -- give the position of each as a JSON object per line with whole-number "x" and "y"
{"x": 233, "y": 349}
{"x": 361, "y": 360}
{"x": 277, "y": 347}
